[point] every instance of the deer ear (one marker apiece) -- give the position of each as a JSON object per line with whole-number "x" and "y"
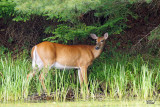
{"x": 105, "y": 35}
{"x": 94, "y": 36}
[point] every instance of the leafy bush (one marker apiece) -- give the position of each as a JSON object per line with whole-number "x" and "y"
{"x": 64, "y": 33}
{"x": 7, "y": 9}
{"x": 155, "y": 34}
{"x": 113, "y": 12}
{"x": 68, "y": 10}
{"x": 108, "y": 15}
{"x": 3, "y": 51}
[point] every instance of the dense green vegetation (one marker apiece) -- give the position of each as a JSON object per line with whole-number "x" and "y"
{"x": 115, "y": 74}
{"x": 105, "y": 15}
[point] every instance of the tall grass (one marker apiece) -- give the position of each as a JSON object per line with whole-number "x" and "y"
{"x": 13, "y": 77}
{"x": 117, "y": 76}
{"x": 126, "y": 76}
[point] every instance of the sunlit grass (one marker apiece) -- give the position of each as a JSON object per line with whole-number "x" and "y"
{"x": 12, "y": 77}
{"x": 120, "y": 77}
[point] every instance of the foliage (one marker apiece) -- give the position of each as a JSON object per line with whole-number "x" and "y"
{"x": 3, "y": 51}
{"x": 64, "y": 33}
{"x": 61, "y": 9}
{"x": 115, "y": 15}
{"x": 70, "y": 12}
{"x": 135, "y": 1}
{"x": 66, "y": 10}
{"x": 155, "y": 34}
{"x": 7, "y": 9}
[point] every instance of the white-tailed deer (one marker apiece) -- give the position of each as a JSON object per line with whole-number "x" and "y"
{"x": 47, "y": 54}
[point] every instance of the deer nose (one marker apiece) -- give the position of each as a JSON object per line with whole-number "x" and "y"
{"x": 97, "y": 48}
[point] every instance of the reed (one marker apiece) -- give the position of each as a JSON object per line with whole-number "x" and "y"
{"x": 122, "y": 76}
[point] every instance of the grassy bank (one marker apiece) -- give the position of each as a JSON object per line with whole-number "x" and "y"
{"x": 114, "y": 75}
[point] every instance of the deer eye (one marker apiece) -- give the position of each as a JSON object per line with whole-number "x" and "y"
{"x": 102, "y": 40}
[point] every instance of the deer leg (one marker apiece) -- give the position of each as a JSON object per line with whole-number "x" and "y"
{"x": 47, "y": 66}
{"x": 29, "y": 77}
{"x": 80, "y": 77}
{"x": 42, "y": 77}
{"x": 33, "y": 73}
{"x": 84, "y": 76}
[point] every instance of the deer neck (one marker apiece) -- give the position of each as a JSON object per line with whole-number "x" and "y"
{"x": 95, "y": 52}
